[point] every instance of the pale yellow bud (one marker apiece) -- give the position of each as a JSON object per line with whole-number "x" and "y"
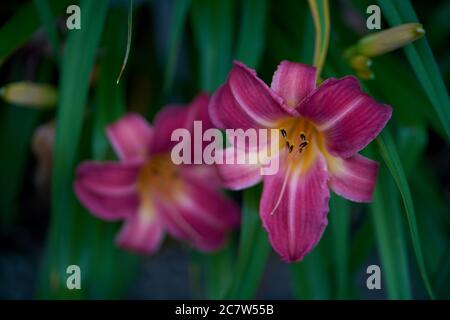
{"x": 378, "y": 43}
{"x": 30, "y": 94}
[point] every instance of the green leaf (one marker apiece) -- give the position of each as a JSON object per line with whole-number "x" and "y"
{"x": 387, "y": 221}
{"x": 434, "y": 224}
{"x": 390, "y": 156}
{"x": 362, "y": 245}
{"x": 311, "y": 276}
{"x": 74, "y": 85}
{"x": 412, "y": 142}
{"x": 219, "y": 272}
{"x": 422, "y": 61}
{"x": 395, "y": 82}
{"x": 47, "y": 19}
{"x": 320, "y": 10}
{"x": 213, "y": 31}
{"x": 438, "y": 27}
{"x": 339, "y": 224}
{"x": 99, "y": 247}
{"x": 19, "y": 29}
{"x": 253, "y": 249}
{"x": 179, "y": 15}
{"x": 15, "y": 143}
{"x": 110, "y": 97}
{"x": 290, "y": 33}
{"x": 251, "y": 38}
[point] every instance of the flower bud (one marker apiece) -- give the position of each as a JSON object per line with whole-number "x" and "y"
{"x": 30, "y": 94}
{"x": 378, "y": 43}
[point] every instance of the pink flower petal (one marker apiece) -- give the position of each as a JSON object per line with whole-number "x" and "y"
{"x": 108, "y": 190}
{"x": 179, "y": 116}
{"x": 237, "y": 176}
{"x": 293, "y": 208}
{"x": 131, "y": 137}
{"x": 354, "y": 178}
{"x": 294, "y": 81}
{"x": 245, "y": 101}
{"x": 207, "y": 174}
{"x": 349, "y": 118}
{"x": 142, "y": 233}
{"x": 201, "y": 215}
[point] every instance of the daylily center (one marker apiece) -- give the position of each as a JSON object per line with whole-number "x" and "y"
{"x": 301, "y": 139}
{"x": 159, "y": 176}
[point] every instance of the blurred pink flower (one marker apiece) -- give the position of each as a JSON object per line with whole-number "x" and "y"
{"x": 149, "y": 192}
{"x": 322, "y": 129}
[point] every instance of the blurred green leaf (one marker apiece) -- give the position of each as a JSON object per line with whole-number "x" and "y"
{"x": 110, "y": 97}
{"x": 77, "y": 63}
{"x": 213, "y": 23}
{"x": 428, "y": 193}
{"x": 387, "y": 222}
{"x": 251, "y": 38}
{"x": 412, "y": 142}
{"x": 395, "y": 83}
{"x": 213, "y": 32}
{"x": 442, "y": 275}
{"x": 339, "y": 224}
{"x": 253, "y": 249}
{"x": 320, "y": 10}
{"x": 312, "y": 276}
{"x": 19, "y": 29}
{"x": 439, "y": 25}
{"x": 290, "y": 33}
{"x": 179, "y": 14}
{"x": 99, "y": 246}
{"x": 422, "y": 61}
{"x": 362, "y": 244}
{"x": 219, "y": 272}
{"x": 390, "y": 156}
{"x": 15, "y": 142}
{"x": 47, "y": 19}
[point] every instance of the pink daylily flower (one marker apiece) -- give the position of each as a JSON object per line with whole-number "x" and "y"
{"x": 150, "y": 193}
{"x": 322, "y": 129}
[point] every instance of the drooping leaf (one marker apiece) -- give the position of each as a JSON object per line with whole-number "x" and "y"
{"x": 390, "y": 156}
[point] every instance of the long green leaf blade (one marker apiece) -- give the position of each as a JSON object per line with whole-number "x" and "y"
{"x": 179, "y": 15}
{"x": 213, "y": 30}
{"x": 387, "y": 221}
{"x": 422, "y": 61}
{"x": 46, "y": 16}
{"x": 250, "y": 43}
{"x": 390, "y": 156}
{"x": 77, "y": 63}
{"x": 320, "y": 10}
{"x": 339, "y": 217}
{"x": 254, "y": 249}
